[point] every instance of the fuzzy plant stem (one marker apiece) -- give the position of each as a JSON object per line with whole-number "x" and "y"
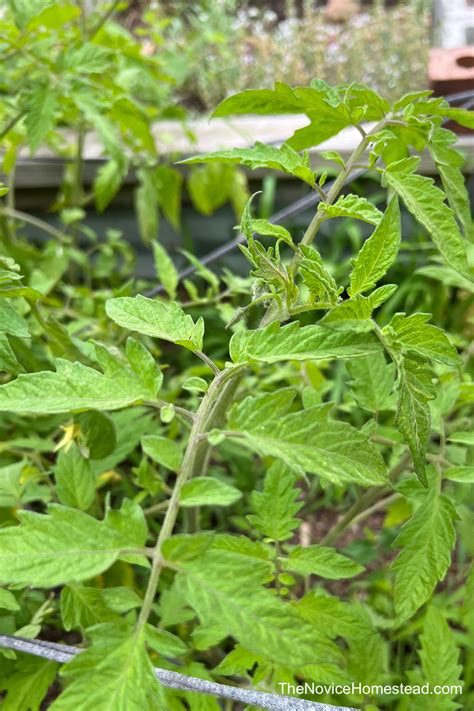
{"x": 338, "y": 184}
{"x": 209, "y": 403}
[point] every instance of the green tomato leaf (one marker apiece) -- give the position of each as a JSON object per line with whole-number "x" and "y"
{"x": 426, "y": 202}
{"x": 27, "y": 687}
{"x": 267, "y": 229}
{"x": 322, "y": 561}
{"x": 161, "y": 319}
{"x": 373, "y": 381}
{"x": 262, "y": 156}
{"x": 275, "y": 343}
{"x": 415, "y": 389}
{"x": 75, "y": 482}
{"x": 108, "y": 181}
{"x": 439, "y": 655}
{"x": 449, "y": 163}
{"x": 280, "y": 100}
{"x": 41, "y": 107}
{"x": 462, "y": 438}
{"x": 83, "y": 607}
{"x": 54, "y": 15}
{"x": 336, "y": 617}
{"x": 71, "y": 387}
{"x": 274, "y": 507}
{"x": 98, "y": 434}
{"x": 164, "y": 642}
{"x": 378, "y": 253}
{"x": 307, "y": 441}
{"x": 8, "y": 600}
{"x": 144, "y": 366}
{"x": 353, "y": 206}
{"x": 414, "y": 334}
{"x": 165, "y": 269}
{"x": 426, "y": 540}
{"x": 320, "y": 283}
{"x": 228, "y": 589}
{"x": 113, "y": 674}
{"x": 66, "y": 545}
{"x": 162, "y": 450}
{"x": 207, "y": 491}
{"x": 11, "y": 322}
{"x": 463, "y": 475}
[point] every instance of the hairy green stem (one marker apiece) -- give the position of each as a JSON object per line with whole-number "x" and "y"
{"x": 210, "y": 400}
{"x": 35, "y": 221}
{"x": 12, "y": 123}
{"x": 338, "y": 184}
{"x": 216, "y": 419}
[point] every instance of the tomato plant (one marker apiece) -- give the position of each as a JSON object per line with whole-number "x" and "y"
{"x": 165, "y": 478}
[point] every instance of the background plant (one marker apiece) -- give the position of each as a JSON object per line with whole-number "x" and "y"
{"x": 325, "y": 397}
{"x": 229, "y": 46}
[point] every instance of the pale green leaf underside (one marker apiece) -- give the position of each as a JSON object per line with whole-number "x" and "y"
{"x": 262, "y": 156}
{"x": 353, "y": 206}
{"x": 292, "y": 342}
{"x": 160, "y": 319}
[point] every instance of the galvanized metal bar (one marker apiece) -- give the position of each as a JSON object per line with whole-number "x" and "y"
{"x": 173, "y": 680}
